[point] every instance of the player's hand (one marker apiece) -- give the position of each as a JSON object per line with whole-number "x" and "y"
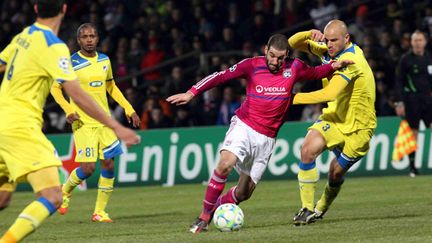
{"x": 400, "y": 109}
{"x": 180, "y": 99}
{"x": 317, "y": 35}
{"x": 72, "y": 117}
{"x": 341, "y": 64}
{"x": 134, "y": 119}
{"x": 127, "y": 135}
{"x": 2, "y": 68}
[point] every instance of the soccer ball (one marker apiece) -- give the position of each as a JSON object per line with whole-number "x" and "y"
{"x": 228, "y": 217}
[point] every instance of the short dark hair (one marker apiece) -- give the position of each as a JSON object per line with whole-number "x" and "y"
{"x": 48, "y": 8}
{"x": 278, "y": 41}
{"x": 85, "y": 26}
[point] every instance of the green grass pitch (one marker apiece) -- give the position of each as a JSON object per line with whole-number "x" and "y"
{"x": 374, "y": 209}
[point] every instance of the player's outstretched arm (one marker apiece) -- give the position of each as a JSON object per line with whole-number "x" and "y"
{"x": 90, "y": 107}
{"x": 71, "y": 114}
{"x": 117, "y": 95}
{"x": 318, "y": 72}
{"x": 329, "y": 93}
{"x": 2, "y": 68}
{"x": 180, "y": 99}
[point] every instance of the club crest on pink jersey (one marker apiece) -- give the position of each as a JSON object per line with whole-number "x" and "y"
{"x": 287, "y": 73}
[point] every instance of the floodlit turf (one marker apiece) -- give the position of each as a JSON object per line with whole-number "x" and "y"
{"x": 386, "y": 209}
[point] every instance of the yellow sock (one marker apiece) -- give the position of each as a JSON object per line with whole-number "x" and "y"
{"x": 28, "y": 220}
{"x": 73, "y": 180}
{"x": 307, "y": 183}
{"x": 327, "y": 197}
{"x": 105, "y": 188}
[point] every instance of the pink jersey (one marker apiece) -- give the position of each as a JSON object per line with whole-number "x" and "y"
{"x": 268, "y": 95}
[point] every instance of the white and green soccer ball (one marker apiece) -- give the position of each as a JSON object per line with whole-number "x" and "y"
{"x": 228, "y": 217}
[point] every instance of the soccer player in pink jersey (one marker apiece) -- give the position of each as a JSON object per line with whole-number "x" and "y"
{"x": 250, "y": 139}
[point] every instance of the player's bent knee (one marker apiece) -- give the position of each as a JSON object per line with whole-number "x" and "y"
{"x": 88, "y": 168}
{"x": 224, "y": 168}
{"x": 307, "y": 154}
{"x": 107, "y": 164}
{"x": 336, "y": 176}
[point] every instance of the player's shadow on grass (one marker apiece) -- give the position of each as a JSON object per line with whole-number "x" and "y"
{"x": 278, "y": 223}
{"x": 333, "y": 220}
{"x": 146, "y": 216}
{"x": 371, "y": 217}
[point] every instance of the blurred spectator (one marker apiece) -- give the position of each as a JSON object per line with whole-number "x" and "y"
{"x": 228, "y": 107}
{"x": 134, "y": 55}
{"x": 153, "y": 57}
{"x": 384, "y": 41}
{"x": 148, "y": 106}
{"x": 405, "y": 41}
{"x": 121, "y": 67}
{"x": 154, "y": 92}
{"x": 106, "y": 46}
{"x": 183, "y": 118}
{"x": 322, "y": 13}
{"x": 289, "y": 13}
{"x": 210, "y": 107}
{"x": 197, "y": 44}
{"x": 357, "y": 29}
{"x": 207, "y": 31}
{"x": 233, "y": 19}
{"x": 157, "y": 119}
{"x": 215, "y": 63}
{"x": 427, "y": 19}
{"x": 398, "y": 28}
{"x": 393, "y": 11}
{"x": 176, "y": 82}
{"x": 228, "y": 42}
{"x": 260, "y": 29}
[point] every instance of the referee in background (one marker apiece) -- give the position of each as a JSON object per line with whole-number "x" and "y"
{"x": 413, "y": 88}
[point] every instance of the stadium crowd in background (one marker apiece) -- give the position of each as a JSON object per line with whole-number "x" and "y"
{"x": 139, "y": 34}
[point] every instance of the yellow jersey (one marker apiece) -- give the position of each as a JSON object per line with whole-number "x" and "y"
{"x": 96, "y": 79}
{"x": 93, "y": 73}
{"x": 354, "y": 107}
{"x": 34, "y": 59}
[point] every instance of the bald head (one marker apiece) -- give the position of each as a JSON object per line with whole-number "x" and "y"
{"x": 337, "y": 25}
{"x": 336, "y": 36}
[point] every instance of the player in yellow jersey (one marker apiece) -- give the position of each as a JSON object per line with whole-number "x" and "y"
{"x": 92, "y": 138}
{"x": 346, "y": 125}
{"x": 34, "y": 59}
